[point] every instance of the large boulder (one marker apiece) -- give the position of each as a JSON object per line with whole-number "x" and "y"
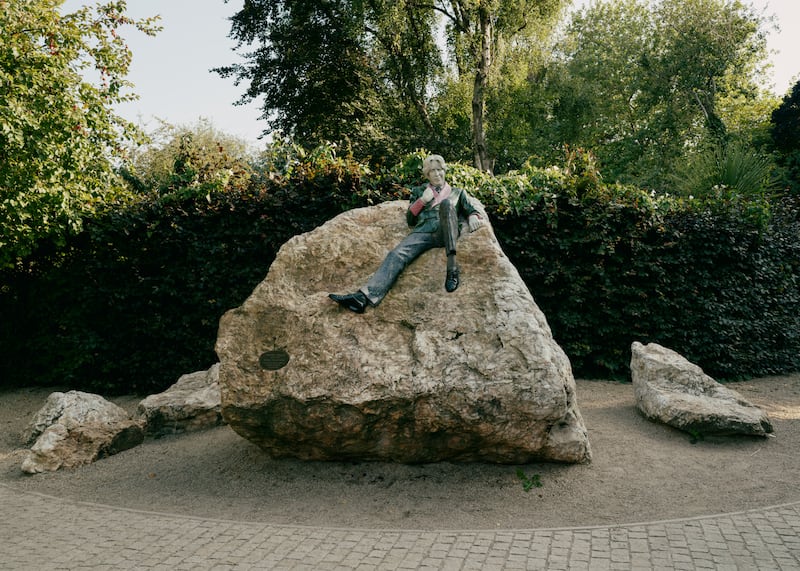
{"x": 192, "y": 403}
{"x": 670, "y": 389}
{"x": 77, "y": 428}
{"x": 473, "y": 375}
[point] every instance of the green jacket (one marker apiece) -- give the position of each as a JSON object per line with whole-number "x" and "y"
{"x": 428, "y": 219}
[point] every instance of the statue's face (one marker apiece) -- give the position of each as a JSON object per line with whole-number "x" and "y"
{"x": 436, "y": 175}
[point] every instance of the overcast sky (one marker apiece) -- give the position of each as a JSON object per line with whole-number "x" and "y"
{"x": 171, "y": 71}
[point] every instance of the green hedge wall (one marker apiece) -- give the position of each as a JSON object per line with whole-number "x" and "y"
{"x": 715, "y": 289}
{"x": 135, "y": 300}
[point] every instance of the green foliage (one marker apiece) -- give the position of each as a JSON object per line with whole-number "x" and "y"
{"x": 480, "y": 36}
{"x": 451, "y": 109}
{"x": 789, "y": 173}
{"x": 58, "y": 133}
{"x": 695, "y": 437}
{"x": 196, "y": 160}
{"x": 786, "y": 122}
{"x": 529, "y": 482}
{"x": 732, "y": 168}
{"x": 644, "y": 84}
{"x": 785, "y": 135}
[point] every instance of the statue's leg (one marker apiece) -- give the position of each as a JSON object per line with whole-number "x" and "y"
{"x": 449, "y": 229}
{"x": 396, "y": 261}
{"x": 448, "y": 226}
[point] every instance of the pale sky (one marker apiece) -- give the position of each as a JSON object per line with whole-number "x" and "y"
{"x": 171, "y": 70}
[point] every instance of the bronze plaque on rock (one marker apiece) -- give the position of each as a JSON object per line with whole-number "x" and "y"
{"x": 273, "y": 360}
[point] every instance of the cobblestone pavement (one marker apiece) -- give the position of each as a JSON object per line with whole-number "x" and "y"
{"x": 40, "y": 532}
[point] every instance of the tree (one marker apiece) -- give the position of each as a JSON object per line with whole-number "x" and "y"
{"x": 786, "y": 122}
{"x": 597, "y": 95}
{"x": 365, "y": 67}
{"x": 405, "y": 51}
{"x": 311, "y": 65}
{"x": 703, "y": 49}
{"x": 58, "y": 132}
{"x": 480, "y": 32}
{"x": 642, "y": 84}
{"x": 785, "y": 133}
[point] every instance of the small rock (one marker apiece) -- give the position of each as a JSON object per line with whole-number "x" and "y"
{"x": 77, "y": 428}
{"x": 192, "y": 403}
{"x": 670, "y": 389}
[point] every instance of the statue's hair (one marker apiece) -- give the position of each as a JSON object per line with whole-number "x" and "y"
{"x": 429, "y": 160}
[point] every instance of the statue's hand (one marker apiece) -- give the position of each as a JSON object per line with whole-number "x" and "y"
{"x": 427, "y": 196}
{"x": 475, "y": 222}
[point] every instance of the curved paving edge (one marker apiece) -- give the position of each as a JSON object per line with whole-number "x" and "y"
{"x": 45, "y": 532}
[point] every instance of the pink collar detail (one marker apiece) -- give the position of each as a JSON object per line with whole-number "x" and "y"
{"x": 438, "y": 197}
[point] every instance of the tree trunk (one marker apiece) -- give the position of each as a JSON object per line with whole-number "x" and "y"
{"x": 480, "y": 148}
{"x": 422, "y": 110}
{"x": 714, "y": 123}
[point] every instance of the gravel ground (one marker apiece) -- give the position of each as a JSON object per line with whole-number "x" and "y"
{"x": 641, "y": 471}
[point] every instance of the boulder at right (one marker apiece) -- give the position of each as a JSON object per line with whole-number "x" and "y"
{"x": 670, "y": 389}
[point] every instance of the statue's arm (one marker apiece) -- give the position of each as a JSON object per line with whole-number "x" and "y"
{"x": 468, "y": 210}
{"x": 465, "y": 207}
{"x": 412, "y": 214}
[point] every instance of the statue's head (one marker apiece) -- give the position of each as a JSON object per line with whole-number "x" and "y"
{"x": 434, "y": 167}
{"x": 433, "y": 161}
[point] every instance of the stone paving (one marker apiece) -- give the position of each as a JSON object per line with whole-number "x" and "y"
{"x": 39, "y": 532}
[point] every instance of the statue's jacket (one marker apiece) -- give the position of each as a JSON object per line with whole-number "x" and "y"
{"x": 428, "y": 219}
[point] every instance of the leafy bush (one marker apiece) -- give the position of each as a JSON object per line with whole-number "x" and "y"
{"x": 195, "y": 159}
{"x": 733, "y": 167}
{"x": 785, "y": 134}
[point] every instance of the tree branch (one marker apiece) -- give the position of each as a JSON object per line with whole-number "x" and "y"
{"x": 439, "y": 9}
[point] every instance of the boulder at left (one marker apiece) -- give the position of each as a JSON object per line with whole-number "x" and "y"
{"x": 77, "y": 428}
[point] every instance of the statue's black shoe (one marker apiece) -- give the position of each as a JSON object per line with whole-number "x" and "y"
{"x": 356, "y": 302}
{"x": 451, "y": 281}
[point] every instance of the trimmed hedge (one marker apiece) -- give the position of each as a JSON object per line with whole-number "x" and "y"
{"x": 134, "y": 301}
{"x": 722, "y": 293}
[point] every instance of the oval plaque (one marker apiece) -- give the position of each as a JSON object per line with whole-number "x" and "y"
{"x": 273, "y": 360}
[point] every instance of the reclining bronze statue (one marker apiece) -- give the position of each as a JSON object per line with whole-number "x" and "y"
{"x": 433, "y": 214}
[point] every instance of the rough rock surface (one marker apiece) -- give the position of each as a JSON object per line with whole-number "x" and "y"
{"x": 672, "y": 390}
{"x": 192, "y": 403}
{"x": 77, "y": 428}
{"x": 473, "y": 375}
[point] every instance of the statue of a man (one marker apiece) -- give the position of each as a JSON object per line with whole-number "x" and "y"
{"x": 434, "y": 215}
